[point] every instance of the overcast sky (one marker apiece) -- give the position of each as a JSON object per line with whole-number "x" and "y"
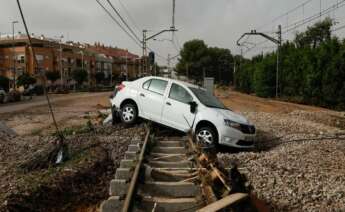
{"x": 218, "y": 22}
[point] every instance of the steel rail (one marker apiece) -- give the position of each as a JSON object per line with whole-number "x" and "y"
{"x": 130, "y": 192}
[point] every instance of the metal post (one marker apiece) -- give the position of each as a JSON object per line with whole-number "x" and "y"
{"x": 126, "y": 66}
{"x": 169, "y": 70}
{"x": 173, "y": 16}
{"x": 234, "y": 74}
{"x": 61, "y": 74}
{"x": 187, "y": 71}
{"x": 278, "y": 59}
{"x": 144, "y": 50}
{"x": 82, "y": 60}
{"x": 14, "y": 56}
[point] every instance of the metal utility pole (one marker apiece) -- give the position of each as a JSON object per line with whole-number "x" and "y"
{"x": 169, "y": 70}
{"x": 173, "y": 14}
{"x": 234, "y": 74}
{"x": 60, "y": 64}
{"x": 126, "y": 66}
{"x": 278, "y": 58}
{"x": 187, "y": 70}
{"x": 274, "y": 40}
{"x": 14, "y": 56}
{"x": 145, "y": 39}
{"x": 144, "y": 52}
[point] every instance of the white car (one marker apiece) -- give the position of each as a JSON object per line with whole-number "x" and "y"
{"x": 184, "y": 107}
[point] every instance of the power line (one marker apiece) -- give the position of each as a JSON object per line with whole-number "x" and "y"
{"x": 300, "y": 23}
{"x": 339, "y": 28}
{"x": 305, "y": 21}
{"x": 285, "y": 14}
{"x": 156, "y": 53}
{"x": 130, "y": 17}
{"x": 118, "y": 23}
{"x": 123, "y": 20}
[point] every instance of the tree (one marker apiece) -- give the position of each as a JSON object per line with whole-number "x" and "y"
{"x": 198, "y": 59}
{"x": 313, "y": 69}
{"x": 53, "y": 76}
{"x": 26, "y": 80}
{"x": 194, "y": 57}
{"x": 4, "y": 83}
{"x": 315, "y": 35}
{"x": 220, "y": 65}
{"x": 79, "y": 76}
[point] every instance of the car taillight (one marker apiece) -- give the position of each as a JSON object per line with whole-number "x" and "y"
{"x": 120, "y": 87}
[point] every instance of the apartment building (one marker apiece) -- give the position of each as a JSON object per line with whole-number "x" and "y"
{"x": 123, "y": 61}
{"x": 52, "y": 55}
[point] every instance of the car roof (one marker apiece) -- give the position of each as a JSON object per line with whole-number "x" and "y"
{"x": 187, "y": 84}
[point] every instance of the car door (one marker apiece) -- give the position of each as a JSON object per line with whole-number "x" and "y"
{"x": 151, "y": 98}
{"x": 176, "y": 111}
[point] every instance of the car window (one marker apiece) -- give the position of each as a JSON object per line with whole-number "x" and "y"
{"x": 207, "y": 99}
{"x": 146, "y": 84}
{"x": 158, "y": 86}
{"x": 180, "y": 94}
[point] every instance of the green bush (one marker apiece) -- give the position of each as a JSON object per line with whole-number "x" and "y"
{"x": 312, "y": 69}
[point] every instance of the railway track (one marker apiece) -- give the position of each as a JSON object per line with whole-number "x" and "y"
{"x": 169, "y": 174}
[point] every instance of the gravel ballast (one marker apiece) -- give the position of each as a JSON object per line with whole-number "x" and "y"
{"x": 299, "y": 162}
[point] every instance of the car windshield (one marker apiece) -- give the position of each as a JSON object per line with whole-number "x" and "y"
{"x": 207, "y": 99}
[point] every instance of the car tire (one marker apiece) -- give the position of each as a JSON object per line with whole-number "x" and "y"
{"x": 129, "y": 114}
{"x": 206, "y": 137}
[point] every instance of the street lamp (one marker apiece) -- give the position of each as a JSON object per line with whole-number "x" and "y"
{"x": 61, "y": 74}
{"x": 14, "y": 55}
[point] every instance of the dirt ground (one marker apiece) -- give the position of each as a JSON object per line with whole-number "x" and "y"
{"x": 70, "y": 110}
{"x": 287, "y": 135}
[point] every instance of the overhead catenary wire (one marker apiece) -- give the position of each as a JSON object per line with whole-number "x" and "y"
{"x": 338, "y": 28}
{"x": 123, "y": 20}
{"x": 130, "y": 17}
{"x": 295, "y": 25}
{"x": 118, "y": 23}
{"x": 313, "y": 17}
{"x": 285, "y": 14}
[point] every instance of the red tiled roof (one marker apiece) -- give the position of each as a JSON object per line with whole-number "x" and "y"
{"x": 113, "y": 52}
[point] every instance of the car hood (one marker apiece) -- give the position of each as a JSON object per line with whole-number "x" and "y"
{"x": 228, "y": 114}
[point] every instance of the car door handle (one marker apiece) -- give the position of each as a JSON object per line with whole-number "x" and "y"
{"x": 168, "y": 103}
{"x": 143, "y": 95}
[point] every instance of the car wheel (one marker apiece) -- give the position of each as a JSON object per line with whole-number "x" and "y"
{"x": 129, "y": 114}
{"x": 206, "y": 137}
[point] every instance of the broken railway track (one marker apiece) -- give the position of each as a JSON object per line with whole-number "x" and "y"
{"x": 170, "y": 174}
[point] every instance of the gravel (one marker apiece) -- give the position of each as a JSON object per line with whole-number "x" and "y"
{"x": 299, "y": 163}
{"x": 6, "y": 132}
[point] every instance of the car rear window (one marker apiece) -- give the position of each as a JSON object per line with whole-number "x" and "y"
{"x": 146, "y": 84}
{"x": 156, "y": 86}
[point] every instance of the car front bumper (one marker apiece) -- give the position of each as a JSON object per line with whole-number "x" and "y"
{"x": 234, "y": 138}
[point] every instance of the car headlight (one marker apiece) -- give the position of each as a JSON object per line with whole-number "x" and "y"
{"x": 232, "y": 124}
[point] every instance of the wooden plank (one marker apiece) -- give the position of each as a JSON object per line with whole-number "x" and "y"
{"x": 225, "y": 202}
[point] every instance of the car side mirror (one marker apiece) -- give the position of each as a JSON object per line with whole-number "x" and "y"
{"x": 193, "y": 106}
